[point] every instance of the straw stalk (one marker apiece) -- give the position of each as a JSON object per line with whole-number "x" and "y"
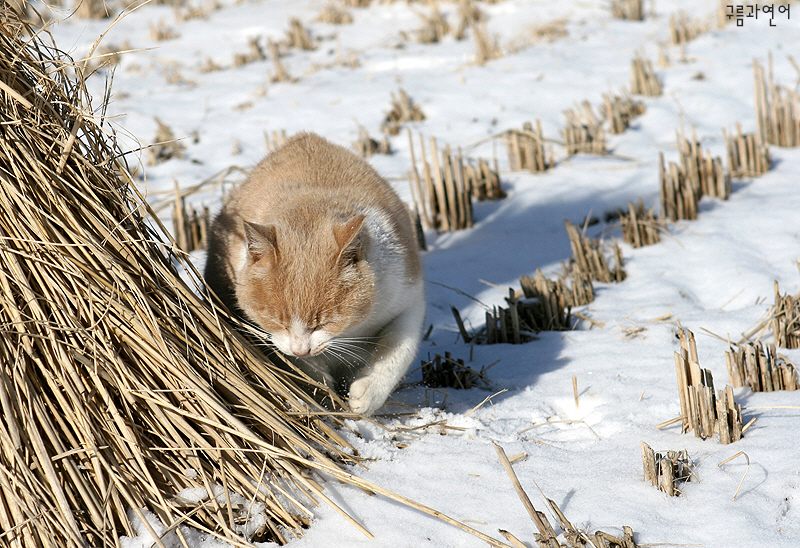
{"x": 666, "y": 470}
{"x": 786, "y": 319}
{"x": 641, "y": 226}
{"x": 777, "y": 109}
{"x": 631, "y": 10}
{"x": 643, "y": 79}
{"x": 760, "y": 368}
{"x": 701, "y": 410}
{"x": 748, "y": 156}
{"x": 443, "y": 189}
{"x": 526, "y": 148}
{"x": 588, "y": 257}
{"x": 584, "y": 131}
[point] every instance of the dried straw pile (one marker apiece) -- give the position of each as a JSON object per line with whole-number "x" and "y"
{"x": 119, "y": 387}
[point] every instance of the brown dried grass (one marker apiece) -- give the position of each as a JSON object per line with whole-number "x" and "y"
{"x": 526, "y": 148}
{"x": 631, "y": 10}
{"x": 584, "y": 131}
{"x": 761, "y": 368}
{"x": 404, "y": 109}
{"x": 748, "y": 156}
{"x": 785, "y": 319}
{"x": 643, "y": 79}
{"x": 619, "y": 111}
{"x": 334, "y": 15}
{"x": 683, "y": 30}
{"x": 116, "y": 376}
{"x": 777, "y": 109}
{"x": 641, "y": 226}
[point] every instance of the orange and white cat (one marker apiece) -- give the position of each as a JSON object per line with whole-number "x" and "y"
{"x": 318, "y": 251}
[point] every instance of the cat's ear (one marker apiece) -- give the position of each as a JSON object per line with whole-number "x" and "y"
{"x": 345, "y": 234}
{"x": 261, "y": 241}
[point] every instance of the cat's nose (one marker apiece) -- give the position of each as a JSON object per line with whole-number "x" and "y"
{"x": 300, "y": 347}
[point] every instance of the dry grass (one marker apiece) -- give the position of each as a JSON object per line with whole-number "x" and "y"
{"x": 334, "y": 15}
{"x": 185, "y": 11}
{"x": 546, "y": 536}
{"x": 161, "y": 32}
{"x": 483, "y": 179}
{"x": 434, "y": 26}
{"x": 253, "y": 54}
{"x": 785, "y": 319}
{"x": 120, "y": 387}
{"x": 448, "y": 372}
{"x": 666, "y": 470}
{"x": 777, "y": 109}
{"x": 116, "y": 378}
{"x": 108, "y": 55}
{"x": 298, "y": 36}
{"x": 631, "y": 10}
{"x": 487, "y": 47}
{"x": 515, "y": 325}
{"x": 526, "y": 148}
{"x": 643, "y": 79}
{"x": 678, "y": 198}
{"x": 189, "y": 225}
{"x": 209, "y": 65}
{"x": 571, "y": 288}
{"x": 165, "y": 146}
{"x": 703, "y": 172}
{"x": 441, "y": 191}
{"x": 584, "y": 131}
{"x": 702, "y": 410}
{"x": 537, "y": 34}
{"x": 699, "y": 174}
{"x": 367, "y": 146}
{"x": 275, "y": 140}
{"x": 92, "y": 9}
{"x": 281, "y": 73}
{"x": 444, "y": 188}
{"x": 403, "y": 110}
{"x": 553, "y": 300}
{"x": 641, "y": 226}
{"x": 588, "y": 257}
{"x": 619, "y": 111}
{"x": 760, "y": 368}
{"x": 747, "y": 154}
{"x": 682, "y": 29}
{"x": 468, "y": 15}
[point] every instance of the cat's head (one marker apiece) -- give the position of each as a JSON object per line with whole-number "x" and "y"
{"x": 306, "y": 285}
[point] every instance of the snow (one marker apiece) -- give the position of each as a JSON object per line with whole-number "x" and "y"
{"x": 715, "y": 274}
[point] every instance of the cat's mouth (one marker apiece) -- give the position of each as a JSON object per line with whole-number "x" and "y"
{"x": 310, "y": 353}
{"x": 300, "y": 350}
{"x": 301, "y": 343}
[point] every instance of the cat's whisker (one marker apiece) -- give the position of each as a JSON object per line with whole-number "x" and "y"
{"x": 348, "y": 356}
{"x": 344, "y": 350}
{"x": 372, "y": 344}
{"x": 253, "y": 329}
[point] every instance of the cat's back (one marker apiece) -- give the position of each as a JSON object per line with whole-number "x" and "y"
{"x": 310, "y": 168}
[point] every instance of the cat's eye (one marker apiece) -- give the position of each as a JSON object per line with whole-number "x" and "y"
{"x": 319, "y": 324}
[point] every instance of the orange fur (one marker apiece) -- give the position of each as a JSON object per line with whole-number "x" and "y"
{"x": 315, "y": 245}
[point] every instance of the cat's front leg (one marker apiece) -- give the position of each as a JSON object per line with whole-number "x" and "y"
{"x": 395, "y": 350}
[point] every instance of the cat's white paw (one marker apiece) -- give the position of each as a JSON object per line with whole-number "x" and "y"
{"x": 364, "y": 399}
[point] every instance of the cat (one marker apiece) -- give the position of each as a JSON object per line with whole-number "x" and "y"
{"x": 318, "y": 251}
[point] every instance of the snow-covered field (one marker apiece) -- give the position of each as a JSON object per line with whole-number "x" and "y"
{"x": 715, "y": 274}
